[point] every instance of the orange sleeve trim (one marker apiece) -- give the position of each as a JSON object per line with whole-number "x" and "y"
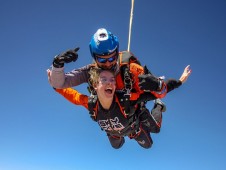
{"x": 162, "y": 93}
{"x": 74, "y": 96}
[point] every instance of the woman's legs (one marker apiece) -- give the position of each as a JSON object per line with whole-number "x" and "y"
{"x": 116, "y": 141}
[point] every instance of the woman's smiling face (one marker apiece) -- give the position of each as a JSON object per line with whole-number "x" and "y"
{"x": 106, "y": 85}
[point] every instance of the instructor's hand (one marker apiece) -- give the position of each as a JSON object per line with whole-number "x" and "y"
{"x": 66, "y": 57}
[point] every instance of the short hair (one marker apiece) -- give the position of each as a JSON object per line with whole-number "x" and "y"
{"x": 95, "y": 74}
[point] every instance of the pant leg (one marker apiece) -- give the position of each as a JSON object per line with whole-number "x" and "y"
{"x": 116, "y": 141}
{"x": 144, "y": 138}
{"x": 151, "y": 121}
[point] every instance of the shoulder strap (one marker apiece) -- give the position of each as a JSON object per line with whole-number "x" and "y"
{"x": 127, "y": 57}
{"x": 92, "y": 106}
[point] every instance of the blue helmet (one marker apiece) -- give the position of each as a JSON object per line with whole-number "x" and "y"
{"x": 103, "y": 42}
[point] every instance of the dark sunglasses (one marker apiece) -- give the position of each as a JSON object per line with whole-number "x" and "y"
{"x": 104, "y": 60}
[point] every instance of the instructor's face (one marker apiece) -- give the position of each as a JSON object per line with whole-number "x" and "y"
{"x": 107, "y": 61}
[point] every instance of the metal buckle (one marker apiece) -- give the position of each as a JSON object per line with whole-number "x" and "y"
{"x": 128, "y": 82}
{"x": 127, "y": 94}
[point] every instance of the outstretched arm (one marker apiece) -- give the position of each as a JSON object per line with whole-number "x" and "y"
{"x": 59, "y": 79}
{"x": 74, "y": 96}
{"x": 170, "y": 83}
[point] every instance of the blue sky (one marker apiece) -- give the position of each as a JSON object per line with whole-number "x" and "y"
{"x": 39, "y": 130}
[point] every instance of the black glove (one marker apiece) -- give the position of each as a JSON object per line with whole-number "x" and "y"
{"x": 66, "y": 57}
{"x": 148, "y": 82}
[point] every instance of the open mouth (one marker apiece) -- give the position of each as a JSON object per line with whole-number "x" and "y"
{"x": 109, "y": 90}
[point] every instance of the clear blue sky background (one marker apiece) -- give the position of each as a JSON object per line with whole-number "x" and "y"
{"x": 39, "y": 130}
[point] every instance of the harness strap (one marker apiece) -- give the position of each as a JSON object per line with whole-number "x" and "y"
{"x": 92, "y": 106}
{"x": 128, "y": 87}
